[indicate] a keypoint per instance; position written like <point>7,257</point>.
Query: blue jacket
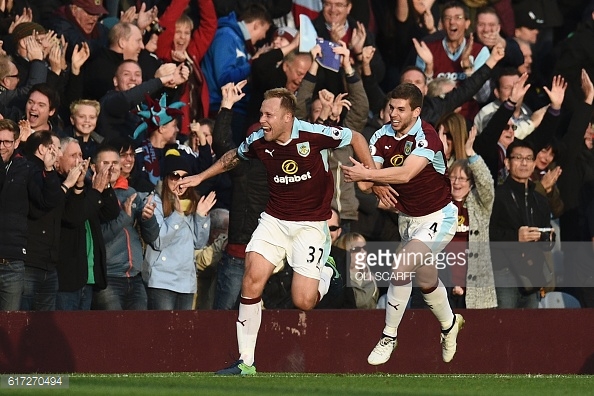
<point>123,247</point>
<point>169,260</point>
<point>226,61</point>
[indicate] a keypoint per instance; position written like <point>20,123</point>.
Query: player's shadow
<point>33,344</point>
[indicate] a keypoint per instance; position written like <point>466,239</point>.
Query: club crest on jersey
<point>422,143</point>
<point>336,133</point>
<point>372,149</point>
<point>303,149</point>
<point>407,148</point>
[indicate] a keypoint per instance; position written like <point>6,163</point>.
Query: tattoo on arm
<point>229,160</point>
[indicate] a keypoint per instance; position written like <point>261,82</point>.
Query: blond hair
<point>84,102</point>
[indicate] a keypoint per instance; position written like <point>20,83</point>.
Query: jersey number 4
<point>433,227</point>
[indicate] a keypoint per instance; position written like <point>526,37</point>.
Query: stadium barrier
<point>539,341</point>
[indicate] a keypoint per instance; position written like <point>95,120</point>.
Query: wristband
<point>64,186</point>
<point>512,102</point>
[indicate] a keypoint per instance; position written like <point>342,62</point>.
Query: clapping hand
<point>206,203</point>
<point>358,38</point>
<point>74,174</point>
<point>26,16</point>
<point>34,49</point>
<point>467,52</point>
<point>49,157</point>
<point>128,204</point>
<point>549,179</point>
<point>26,130</point>
<point>101,179</point>
<point>80,54</point>
<point>337,32</point>
<point>367,54</point>
<point>148,210</point>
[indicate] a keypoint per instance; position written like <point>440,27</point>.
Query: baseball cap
<point>530,16</point>
<point>93,7</point>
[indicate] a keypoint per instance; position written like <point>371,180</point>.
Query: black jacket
<point>17,189</point>
<point>99,72</point>
<point>95,207</point>
<point>517,205</point>
<point>116,119</point>
<point>265,75</point>
<point>250,186</point>
<point>43,234</point>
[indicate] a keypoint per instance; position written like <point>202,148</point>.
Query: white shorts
<point>304,244</point>
<point>435,230</point>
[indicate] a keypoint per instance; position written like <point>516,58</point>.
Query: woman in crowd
<point>363,286</point>
<point>453,126</point>
<point>471,276</point>
<point>169,269</point>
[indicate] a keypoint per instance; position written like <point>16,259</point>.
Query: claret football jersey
<point>427,192</point>
<point>300,184</point>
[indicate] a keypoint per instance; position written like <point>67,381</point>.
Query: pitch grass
<point>320,384</point>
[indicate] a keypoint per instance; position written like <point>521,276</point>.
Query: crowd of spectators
<point>104,105</point>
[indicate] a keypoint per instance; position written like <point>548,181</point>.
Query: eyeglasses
<point>450,18</point>
<point>337,5</point>
<point>176,176</point>
<point>513,127</point>
<point>334,228</point>
<point>357,249</point>
<point>6,143</point>
<point>519,158</point>
<point>453,179</point>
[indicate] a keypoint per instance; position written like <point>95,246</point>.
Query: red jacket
<point>199,43</point>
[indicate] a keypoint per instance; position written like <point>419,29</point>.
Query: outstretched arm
<point>411,167</point>
<point>228,161</point>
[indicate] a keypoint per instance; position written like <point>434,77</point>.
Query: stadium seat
<point>559,300</point>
